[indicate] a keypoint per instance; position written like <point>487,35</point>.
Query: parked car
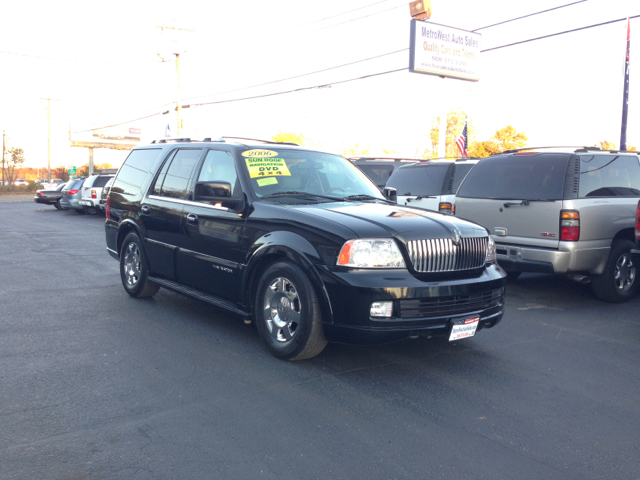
<point>20,182</point>
<point>91,192</point>
<point>430,184</point>
<point>53,184</point>
<point>299,241</point>
<point>104,194</point>
<point>50,197</point>
<point>71,195</point>
<point>570,213</point>
<point>379,169</point>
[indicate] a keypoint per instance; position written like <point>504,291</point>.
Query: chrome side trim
<point>187,202</point>
<point>161,244</point>
<point>209,258</point>
<point>112,251</point>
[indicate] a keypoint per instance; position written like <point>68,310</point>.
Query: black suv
<point>299,241</point>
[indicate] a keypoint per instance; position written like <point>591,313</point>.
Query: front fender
<point>285,245</point>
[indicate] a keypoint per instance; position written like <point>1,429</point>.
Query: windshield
<point>273,171</point>
<point>421,180</point>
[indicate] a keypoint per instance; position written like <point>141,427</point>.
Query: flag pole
<point>625,92</point>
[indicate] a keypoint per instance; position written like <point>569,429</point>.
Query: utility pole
<point>176,52</point>
<point>48,137</point>
<point>625,91</point>
<point>3,136</point>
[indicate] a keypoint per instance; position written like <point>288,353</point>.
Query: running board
<point>199,295</point>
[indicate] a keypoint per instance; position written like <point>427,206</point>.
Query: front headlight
<point>371,253</point>
<point>491,252</point>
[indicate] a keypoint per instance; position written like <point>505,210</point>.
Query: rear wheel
<point>287,313</point>
<point>133,268</point>
<point>57,205</point>
<point>618,283</point>
<point>90,210</point>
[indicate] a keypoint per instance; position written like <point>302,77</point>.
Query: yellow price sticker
<point>262,182</point>
<point>267,167</point>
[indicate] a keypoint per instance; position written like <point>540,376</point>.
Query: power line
<point>352,20</point>
<point>370,75</point>
<point>76,60</point>
<point>529,15</point>
<point>339,14</point>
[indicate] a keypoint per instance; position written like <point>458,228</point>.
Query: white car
<point>20,182</point>
<point>431,184</point>
<point>91,192</point>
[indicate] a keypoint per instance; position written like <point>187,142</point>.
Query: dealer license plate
<point>84,202</point>
<point>464,329</point>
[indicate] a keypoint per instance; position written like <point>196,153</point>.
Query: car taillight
<point>445,207</point>
<point>72,192</point>
<point>638,222</point>
<point>569,225</point>
<point>107,209</point>
<point>40,194</point>
<point>93,194</point>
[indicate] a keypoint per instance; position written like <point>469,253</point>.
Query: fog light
<point>381,309</point>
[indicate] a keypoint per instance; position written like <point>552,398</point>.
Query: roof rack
<point>187,139</point>
<point>271,142</point>
<point>514,150</point>
<point>388,159</point>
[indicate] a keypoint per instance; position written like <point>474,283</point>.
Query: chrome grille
<point>442,255</point>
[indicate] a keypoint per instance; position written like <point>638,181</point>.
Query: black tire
<point>134,271</point>
<point>57,205</point>
<point>79,211</point>
<point>291,327</point>
<point>90,210</point>
<point>513,276</point>
<point>618,283</point>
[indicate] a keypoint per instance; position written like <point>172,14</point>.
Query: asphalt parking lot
<point>97,385</point>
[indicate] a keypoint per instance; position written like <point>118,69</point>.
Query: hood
<point>375,220</point>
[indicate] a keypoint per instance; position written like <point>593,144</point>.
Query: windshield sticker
<point>262,182</point>
<point>267,167</point>
<point>259,153</point>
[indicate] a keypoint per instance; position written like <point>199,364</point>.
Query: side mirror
<point>391,193</point>
<point>216,192</point>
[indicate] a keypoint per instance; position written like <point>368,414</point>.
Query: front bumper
<point>419,307</point>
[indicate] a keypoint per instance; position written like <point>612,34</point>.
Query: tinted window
<point>609,176</point>
<point>177,177</point>
<point>60,187</point>
<point>423,180</point>
<point>136,166</point>
<point>157,188</point>
<point>101,181</point>
<point>461,172</point>
<point>531,177</point>
<point>378,173</point>
<point>75,184</point>
<point>219,166</point>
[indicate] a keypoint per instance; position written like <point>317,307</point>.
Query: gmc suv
<point>570,213</point>
<point>298,241</point>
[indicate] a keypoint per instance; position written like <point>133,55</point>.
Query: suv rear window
<point>609,176</point>
<point>75,184</point>
<point>460,172</point>
<point>512,177</point>
<point>101,181</point>
<point>378,173</point>
<point>420,180</point>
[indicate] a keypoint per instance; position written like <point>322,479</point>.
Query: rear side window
<point>609,176</point>
<point>513,177</point>
<point>101,181</point>
<point>461,172</point>
<point>75,184</point>
<point>378,173</point>
<point>136,167</point>
<point>174,183</point>
<point>424,180</point>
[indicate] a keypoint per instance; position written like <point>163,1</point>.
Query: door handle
<point>192,218</point>
<point>145,209</point>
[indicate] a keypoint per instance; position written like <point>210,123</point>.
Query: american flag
<point>462,141</point>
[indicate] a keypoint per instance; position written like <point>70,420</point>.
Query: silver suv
<point>570,213</point>
<point>92,191</point>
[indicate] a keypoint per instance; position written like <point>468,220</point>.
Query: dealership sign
<point>444,51</point>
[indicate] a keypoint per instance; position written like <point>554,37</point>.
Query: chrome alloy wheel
<point>282,309</point>
<point>625,273</point>
<point>131,264</point>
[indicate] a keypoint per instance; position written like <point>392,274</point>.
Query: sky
<point>104,63</point>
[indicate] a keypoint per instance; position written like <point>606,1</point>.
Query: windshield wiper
<point>364,196</point>
<point>524,203</point>
<point>277,194</point>
<point>420,197</point>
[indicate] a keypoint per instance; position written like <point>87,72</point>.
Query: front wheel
<point>287,313</point>
<point>618,282</point>
<point>133,269</point>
